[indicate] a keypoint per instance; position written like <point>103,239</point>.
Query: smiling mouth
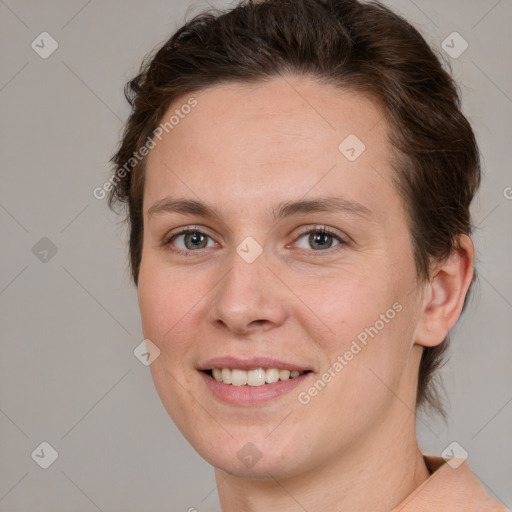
<point>255,377</point>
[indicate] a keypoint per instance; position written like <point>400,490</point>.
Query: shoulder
<point>451,487</point>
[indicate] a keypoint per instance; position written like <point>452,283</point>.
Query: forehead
<point>271,141</point>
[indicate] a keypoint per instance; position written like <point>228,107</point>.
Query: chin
<point>253,456</point>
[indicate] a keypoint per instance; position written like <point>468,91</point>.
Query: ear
<point>445,293</point>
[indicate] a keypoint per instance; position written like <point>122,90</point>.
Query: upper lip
<point>250,364</point>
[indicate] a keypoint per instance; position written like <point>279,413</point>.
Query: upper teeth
<point>256,377</point>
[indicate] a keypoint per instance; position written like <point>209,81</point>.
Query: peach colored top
<point>451,487</point>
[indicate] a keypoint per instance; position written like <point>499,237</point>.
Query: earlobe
<point>445,294</point>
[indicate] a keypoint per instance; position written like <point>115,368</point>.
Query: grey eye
<point>318,240</point>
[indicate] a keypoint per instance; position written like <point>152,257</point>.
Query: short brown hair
<point>364,47</point>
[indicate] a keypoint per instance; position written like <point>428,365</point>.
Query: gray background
<point>69,325</point>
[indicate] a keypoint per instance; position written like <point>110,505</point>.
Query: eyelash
<point>316,229</point>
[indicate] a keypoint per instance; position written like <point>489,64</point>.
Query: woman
<point>298,177</point>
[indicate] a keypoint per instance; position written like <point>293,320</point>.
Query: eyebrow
<point>278,212</point>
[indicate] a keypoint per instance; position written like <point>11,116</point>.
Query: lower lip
<point>251,395</point>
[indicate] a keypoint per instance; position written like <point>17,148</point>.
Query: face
<point>299,259</point>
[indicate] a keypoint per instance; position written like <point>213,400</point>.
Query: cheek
<point>164,301</point>
<point>364,331</point>
<point>347,300</point>
<point>166,305</point>
<point>363,379</point>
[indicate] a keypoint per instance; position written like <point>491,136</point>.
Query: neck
<point>376,476</point>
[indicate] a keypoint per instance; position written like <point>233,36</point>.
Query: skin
<point>243,149</point>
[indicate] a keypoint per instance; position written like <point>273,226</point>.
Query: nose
<point>249,298</point>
